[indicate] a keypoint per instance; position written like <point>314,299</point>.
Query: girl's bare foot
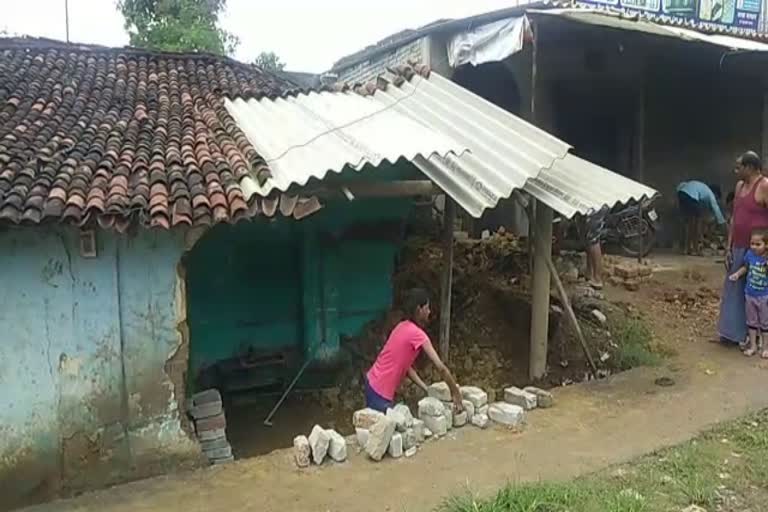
<point>751,351</point>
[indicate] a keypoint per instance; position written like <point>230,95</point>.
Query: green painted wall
<point>284,284</point>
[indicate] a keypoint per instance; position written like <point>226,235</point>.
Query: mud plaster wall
<point>85,345</point>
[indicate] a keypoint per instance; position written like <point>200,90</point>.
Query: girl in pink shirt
<point>395,360</point>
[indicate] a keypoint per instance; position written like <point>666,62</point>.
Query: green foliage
<point>177,25</point>
<point>633,338</point>
<point>269,61</point>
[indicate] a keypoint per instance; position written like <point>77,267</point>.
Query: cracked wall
<point>84,342</point>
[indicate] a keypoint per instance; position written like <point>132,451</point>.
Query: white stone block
<point>477,396</point>
<point>319,440</point>
<point>419,431</point>
<point>544,399</point>
<point>440,390</point>
<point>430,406</point>
<point>406,413</point>
<point>507,414</point>
<point>337,448</point>
<point>362,435</point>
<point>379,437</point>
<point>396,446</point>
<point>480,420</point>
<point>437,425</point>
<point>301,451</point>
<point>517,396</point>
<point>460,419</point>
<point>366,418</point>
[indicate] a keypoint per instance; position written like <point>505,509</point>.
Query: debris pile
<point>320,443</point>
<point>397,433</point>
<point>629,275</point>
<point>701,302</point>
<point>206,411</point>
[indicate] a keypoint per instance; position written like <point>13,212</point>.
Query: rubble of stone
<point>398,433</point>
<point>544,399</point>
<point>516,396</point>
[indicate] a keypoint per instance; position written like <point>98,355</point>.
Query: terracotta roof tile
<point>122,136</point>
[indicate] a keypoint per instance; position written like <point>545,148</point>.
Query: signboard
<point>740,14</point>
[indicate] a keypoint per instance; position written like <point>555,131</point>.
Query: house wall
<point>280,288</point>
<point>369,69</point>
<point>85,356</point>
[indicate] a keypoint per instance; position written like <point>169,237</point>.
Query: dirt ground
<point>593,425</point>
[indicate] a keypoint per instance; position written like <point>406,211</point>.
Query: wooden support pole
<point>541,282</point>
<point>571,315</point>
<point>449,215</point>
<point>638,135</point>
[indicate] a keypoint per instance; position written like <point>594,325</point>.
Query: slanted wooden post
<point>449,216</point>
<point>541,284</point>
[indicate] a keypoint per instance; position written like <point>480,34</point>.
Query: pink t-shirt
<point>395,359</point>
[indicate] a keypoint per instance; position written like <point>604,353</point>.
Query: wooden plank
<point>537,367</point>
<point>449,215</point>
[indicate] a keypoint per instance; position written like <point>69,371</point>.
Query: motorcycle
<point>632,228</point>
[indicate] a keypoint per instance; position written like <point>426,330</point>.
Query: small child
<point>755,267</point>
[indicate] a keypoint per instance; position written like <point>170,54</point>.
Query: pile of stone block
<point>396,433</point>
<point>319,445</point>
<point>206,411</point>
<point>629,275</point>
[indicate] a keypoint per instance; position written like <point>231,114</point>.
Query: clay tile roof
<point>118,136</point>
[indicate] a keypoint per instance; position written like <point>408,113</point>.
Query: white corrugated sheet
<point>636,23</point>
<point>306,136</point>
<point>431,122</point>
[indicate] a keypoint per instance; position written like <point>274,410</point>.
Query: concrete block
<point>214,444</point>
<point>482,410</point>
<point>319,440</point>
<point>427,433</point>
<point>440,390</point>
<point>379,437</point>
<point>438,425</point>
<point>337,448</point>
<point>411,452</point>
<point>395,449</point>
<point>544,399</point>
<point>301,451</point>
<point>406,412</point>
<point>227,460</point>
<point>419,431</point>
<point>477,396</point>
<point>213,423</point>
<point>210,435</point>
<point>430,406</point>
<point>517,396</point>
<point>219,453</point>
<point>448,413</point>
<point>399,418</point>
<point>460,419</point>
<point>366,418</point>
<point>362,435</point>
<point>507,414</point>
<point>409,439</point>
<point>206,410</point>
<point>207,396</point>
<point>480,420</point>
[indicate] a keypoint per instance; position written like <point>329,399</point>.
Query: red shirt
<point>395,359</point>
<point>748,214</point>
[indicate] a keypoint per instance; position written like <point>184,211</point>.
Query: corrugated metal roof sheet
<point>638,23</point>
<point>431,122</point>
<point>312,134</point>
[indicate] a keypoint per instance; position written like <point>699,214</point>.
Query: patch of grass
<point>724,469</point>
<point>633,340</point>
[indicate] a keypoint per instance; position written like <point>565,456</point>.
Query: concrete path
<point>592,426</point>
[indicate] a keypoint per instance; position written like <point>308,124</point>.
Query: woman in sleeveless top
<point>750,211</point>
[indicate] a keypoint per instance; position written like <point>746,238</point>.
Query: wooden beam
<point>537,367</point>
<point>449,215</point>
<point>404,188</point>
<point>571,315</point>
<point>638,134</point>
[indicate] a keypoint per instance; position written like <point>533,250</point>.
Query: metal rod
<point>66,18</point>
<point>268,420</point>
